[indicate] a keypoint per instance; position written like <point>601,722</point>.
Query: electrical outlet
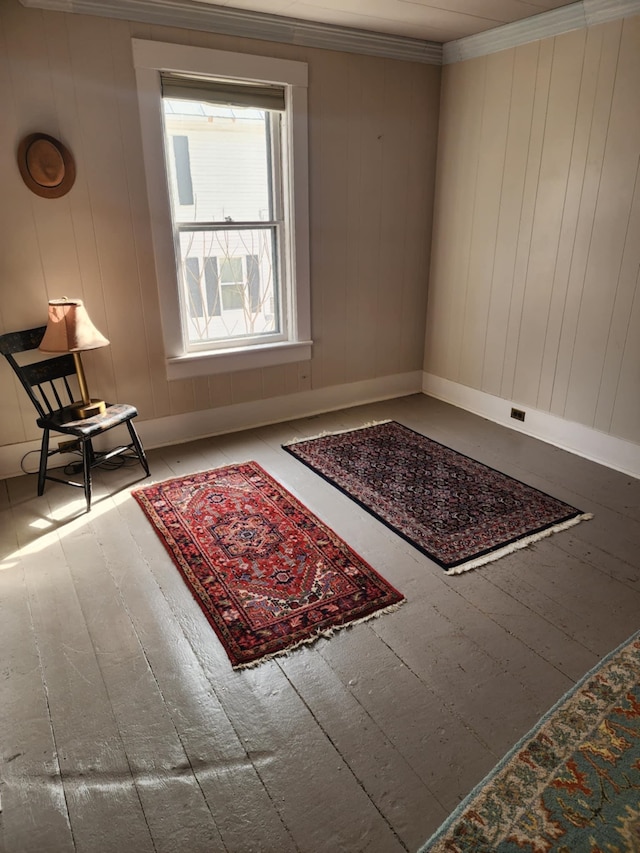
<point>67,445</point>
<point>517,414</point>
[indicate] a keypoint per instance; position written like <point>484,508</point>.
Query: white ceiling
<point>430,20</point>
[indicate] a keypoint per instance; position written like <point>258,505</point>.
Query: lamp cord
<point>75,467</point>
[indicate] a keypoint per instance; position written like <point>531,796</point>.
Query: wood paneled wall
<point>373,129</point>
<point>534,287</point>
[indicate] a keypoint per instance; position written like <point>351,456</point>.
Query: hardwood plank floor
<point>123,726</point>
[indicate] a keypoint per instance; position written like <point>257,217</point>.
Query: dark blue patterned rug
<point>459,512</point>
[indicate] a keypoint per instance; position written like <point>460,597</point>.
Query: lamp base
<point>81,410</point>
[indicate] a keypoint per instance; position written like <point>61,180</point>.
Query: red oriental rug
<point>266,572</point>
<point>457,511</point>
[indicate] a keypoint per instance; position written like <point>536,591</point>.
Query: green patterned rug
<point>572,784</point>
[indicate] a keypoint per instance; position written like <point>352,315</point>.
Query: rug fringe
<point>326,633</point>
<point>335,432</point>
<point>519,545</point>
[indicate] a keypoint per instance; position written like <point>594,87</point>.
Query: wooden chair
<point>46,381</point>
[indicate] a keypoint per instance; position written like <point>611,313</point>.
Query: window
<point>225,144</point>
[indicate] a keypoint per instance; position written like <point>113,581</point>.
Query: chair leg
<point>138,447</point>
<point>87,459</point>
<point>44,456</point>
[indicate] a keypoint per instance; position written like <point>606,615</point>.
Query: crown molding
<point>600,11</point>
<point>258,25</point>
<point>541,26</point>
<point>586,13</point>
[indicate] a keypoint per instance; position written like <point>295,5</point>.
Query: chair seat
<point>63,420</point>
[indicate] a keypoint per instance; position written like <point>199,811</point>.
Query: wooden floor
<point>123,727</point>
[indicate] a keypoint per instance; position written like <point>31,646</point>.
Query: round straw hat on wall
<point>46,165</point>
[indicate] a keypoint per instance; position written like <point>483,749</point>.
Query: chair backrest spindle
<point>45,381</point>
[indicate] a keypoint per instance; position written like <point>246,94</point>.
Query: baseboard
<point>176,429</point>
<point>597,446</point>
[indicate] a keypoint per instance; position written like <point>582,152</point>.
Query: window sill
<point>228,360</point>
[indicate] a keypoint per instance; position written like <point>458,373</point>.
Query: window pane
<point>253,280</point>
<point>239,266</point>
<point>194,292</point>
<point>233,296</point>
<point>229,162</point>
<point>231,270</point>
<point>212,285</point>
<point>183,169</point>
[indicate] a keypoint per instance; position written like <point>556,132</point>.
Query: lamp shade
<point>69,328</point>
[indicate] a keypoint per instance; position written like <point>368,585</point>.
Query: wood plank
<point>455,179</point>
<point>387,777</point>
<point>171,798</point>
<point>328,137</point>
<point>492,142</point>
<point>607,62</point>
<point>610,233</point>
<point>426,729</point>
<point>228,779</point>
<point>513,179</point>
<point>364,740</point>
<point>559,127</point>
<point>534,143</point>
<point>34,809</point>
<point>102,797</point>
<point>571,212</point>
<point>395,286</point>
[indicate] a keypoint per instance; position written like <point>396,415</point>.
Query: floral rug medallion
<point>267,573</point>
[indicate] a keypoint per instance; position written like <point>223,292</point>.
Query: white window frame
<point>150,58</point>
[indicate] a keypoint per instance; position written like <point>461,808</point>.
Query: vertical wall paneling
<point>359,349</point>
<point>182,396</point>
<point>496,97</point>
<point>220,385</point>
<point>97,96</point>
<point>626,410</point>
<point>366,82</point>
<point>444,263</point>
<point>619,327</point>
<point>419,219</point>
<point>274,381</point>
<point>138,284</point>
<point>246,385</point>
<point>460,117</point>
<point>557,310</point>
<point>559,124</point>
<point>610,235</point>
<point>392,283</point>
<point>329,103</point>
<point>606,63</point>
<point>534,145</point>
<point>512,189</point>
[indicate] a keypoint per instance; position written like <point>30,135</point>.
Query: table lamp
<point>69,329</point>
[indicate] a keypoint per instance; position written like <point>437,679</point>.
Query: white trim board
<point>585,441</point>
<point>177,429</point>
